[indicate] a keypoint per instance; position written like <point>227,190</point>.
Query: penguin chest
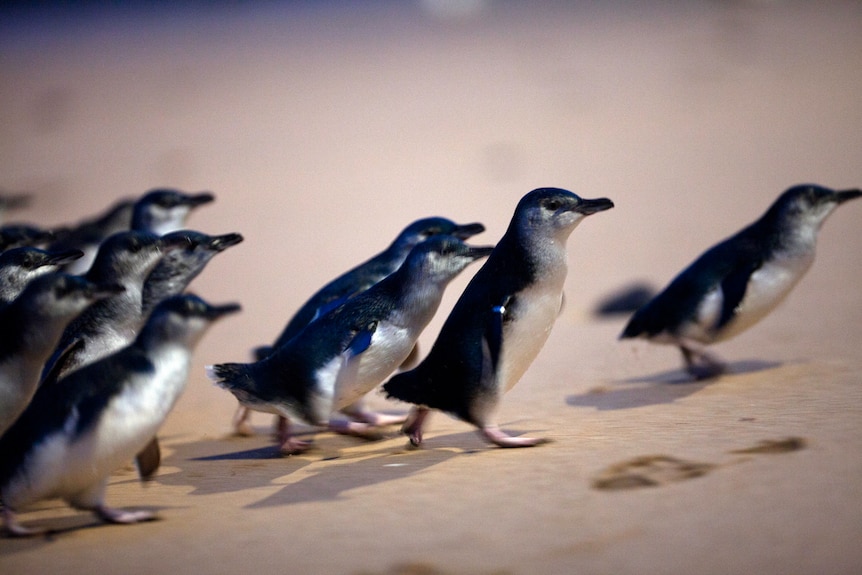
<point>767,288</point>
<point>358,375</point>
<point>533,314</point>
<point>19,379</point>
<point>68,463</point>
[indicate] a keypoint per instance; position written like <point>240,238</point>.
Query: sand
<point>324,129</point>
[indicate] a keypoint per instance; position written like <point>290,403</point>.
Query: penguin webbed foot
<point>287,444</point>
<point>355,429</point>
<point>701,365</point>
<point>241,424</point>
<point>414,424</point>
<point>122,516</point>
<point>373,418</point>
<point>501,439</point>
<point>15,529</point>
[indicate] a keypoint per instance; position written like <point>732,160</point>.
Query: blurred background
<point>323,128</point>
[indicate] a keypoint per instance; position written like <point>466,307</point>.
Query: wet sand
<point>324,130</point>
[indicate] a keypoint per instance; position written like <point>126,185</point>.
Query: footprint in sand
<point>655,470</point>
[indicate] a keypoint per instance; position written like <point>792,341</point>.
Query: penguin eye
<point>553,205</point>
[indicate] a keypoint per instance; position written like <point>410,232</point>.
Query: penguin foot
<point>412,427</point>
<point>374,418</point>
<point>496,436</point>
<point>15,529</point>
<point>241,425</point>
<point>287,444</point>
<point>293,446</point>
<point>122,517</point>
<point>701,365</point>
<point>354,429</point>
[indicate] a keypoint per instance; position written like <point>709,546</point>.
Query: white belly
<point>767,287</point>
<point>64,467</point>
<point>539,307</point>
<point>390,346</point>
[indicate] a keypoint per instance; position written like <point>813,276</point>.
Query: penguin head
<point>554,212</point>
<point>128,256</point>
<point>184,319</point>
<point>807,206</point>
<point>164,210</point>
<point>192,241</point>
<point>30,259</point>
<point>441,258</point>
<point>421,230</point>
<point>19,266</point>
<point>17,235</point>
<point>59,295</point>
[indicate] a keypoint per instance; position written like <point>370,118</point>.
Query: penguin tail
<point>405,386</point>
<point>233,377</point>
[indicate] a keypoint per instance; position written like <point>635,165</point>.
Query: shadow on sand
<point>660,388</point>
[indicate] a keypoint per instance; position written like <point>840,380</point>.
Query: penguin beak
<point>588,207</point>
<point>467,231</point>
<point>200,199</point>
<point>63,258</point>
<point>844,195</point>
<point>479,252</point>
<point>221,243</point>
<point>214,312</point>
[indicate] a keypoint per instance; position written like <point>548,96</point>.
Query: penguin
<point>164,210</point>
<point>87,235</point>
<point>76,431</point>
<point>348,351</point>
<point>17,235</point>
<point>12,201</point>
<point>357,280</point>
<point>737,282</point>
<point>177,268</point>
<point>32,325</point>
<point>500,322</point>
<point>171,276</point>
<point>19,266</point>
<point>125,258</point>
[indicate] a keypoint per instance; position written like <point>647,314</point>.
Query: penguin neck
<point>415,297</point>
<point>170,277</point>
<point>539,254</point>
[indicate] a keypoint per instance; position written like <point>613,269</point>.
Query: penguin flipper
<point>52,375</point>
<point>349,370</point>
<point>494,332</point>
<point>733,289</point>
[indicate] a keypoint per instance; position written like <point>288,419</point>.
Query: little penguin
<point>500,322</point>
<point>357,280</point>
<point>77,431</point>
<point>31,327</point>
<point>88,234</point>
<point>348,351</point>
<point>177,268</point>
<point>125,258</point>
<point>17,235</point>
<point>12,201</point>
<point>737,282</point>
<point>19,266</point>
<point>164,210</point>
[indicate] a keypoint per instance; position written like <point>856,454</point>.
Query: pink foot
<point>496,436</point>
<point>241,425</point>
<point>121,516</point>
<point>373,418</point>
<point>414,423</point>
<point>15,529</point>
<point>287,444</point>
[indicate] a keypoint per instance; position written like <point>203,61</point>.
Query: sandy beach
<point>324,128</point>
